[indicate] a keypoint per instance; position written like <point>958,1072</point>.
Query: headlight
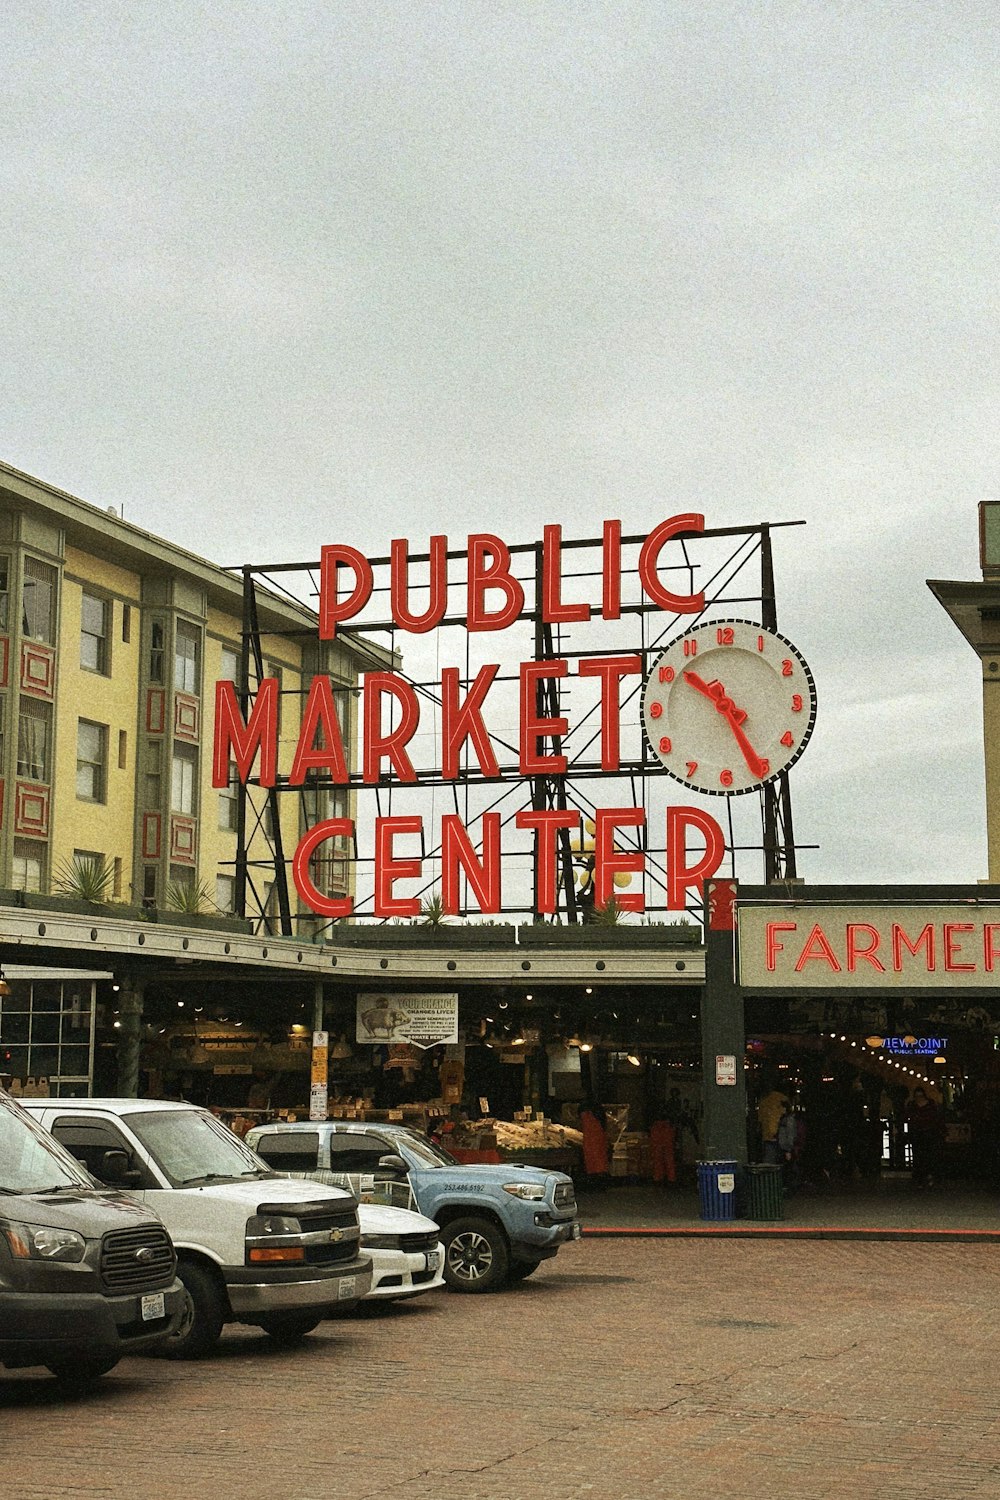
<point>31,1242</point>
<point>272,1224</point>
<point>531,1190</point>
<point>380,1242</point>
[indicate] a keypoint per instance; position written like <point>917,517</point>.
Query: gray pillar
<point>723,1035</point>
<point>130,998</point>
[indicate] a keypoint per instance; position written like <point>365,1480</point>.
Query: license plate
<point>152,1307</point>
<point>345,1288</point>
<point>433,1259</point>
<point>575,1232</point>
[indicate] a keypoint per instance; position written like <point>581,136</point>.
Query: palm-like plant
<point>187,896</point>
<point>87,877</point>
<point>432,912</point>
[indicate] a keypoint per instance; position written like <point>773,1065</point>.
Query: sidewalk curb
<point>773,1232</point>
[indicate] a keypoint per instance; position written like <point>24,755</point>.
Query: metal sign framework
<point>258,812</point>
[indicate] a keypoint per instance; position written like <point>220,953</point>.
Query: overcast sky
<point>285,274</point>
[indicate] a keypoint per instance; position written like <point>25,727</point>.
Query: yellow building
<point>111,641</point>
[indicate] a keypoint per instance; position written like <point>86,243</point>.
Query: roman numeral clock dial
<point>728,706</point>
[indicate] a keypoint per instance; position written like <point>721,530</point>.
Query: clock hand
<point>734,717</point>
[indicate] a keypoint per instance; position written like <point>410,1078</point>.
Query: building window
<point>34,739</point>
<point>4,593</point>
<point>149,883</point>
<point>225,893</point>
<point>91,761</point>
<point>156,650</point>
<point>28,865</point>
<point>126,623</point>
<point>229,664</point>
<point>94,634</point>
<point>3,720</point>
<point>229,800</point>
<point>186,645</point>
<point>182,781</point>
<point>38,601</point>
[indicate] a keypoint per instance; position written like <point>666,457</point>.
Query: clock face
<point>728,706</point>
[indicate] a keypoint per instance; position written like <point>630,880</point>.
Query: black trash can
<point>766,1191</point>
<point>717,1189</point>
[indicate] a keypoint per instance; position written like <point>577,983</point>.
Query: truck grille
<point>412,1244</point>
<point>565,1194</point>
<point>134,1259</point>
<point>343,1225</point>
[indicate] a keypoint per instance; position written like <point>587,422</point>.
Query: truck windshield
<point>192,1148</point>
<point>31,1160</point>
<point>428,1153</point>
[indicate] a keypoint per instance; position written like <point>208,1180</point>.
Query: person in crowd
<point>662,1143</point>
<point>593,1125</point>
<point>925,1128</point>
<point>769,1112</point>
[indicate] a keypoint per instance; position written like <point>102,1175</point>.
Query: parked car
<point>85,1276</point>
<point>498,1223</point>
<point>405,1248</point>
<point>252,1247</point>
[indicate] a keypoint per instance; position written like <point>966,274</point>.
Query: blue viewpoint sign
<point>914,1046</point>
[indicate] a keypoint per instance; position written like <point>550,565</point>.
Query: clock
<point>728,706</point>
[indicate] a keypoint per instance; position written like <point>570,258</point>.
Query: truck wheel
<point>288,1327</point>
<point>519,1269</point>
<point>203,1315</point>
<point>475,1255</point>
<point>82,1372</point>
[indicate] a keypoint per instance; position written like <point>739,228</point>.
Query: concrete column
<point>130,998</point>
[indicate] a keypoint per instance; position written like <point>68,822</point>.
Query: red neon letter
<point>680,874</point>
<point>533,728</point>
<point>326,906</point>
<point>331,608</point>
<point>609,862</point>
<point>611,670</point>
<point>489,568</point>
<point>552,607</point>
<point>388,869</point>
<point>460,722</point>
<point>457,850</point>
<point>319,713</point>
<point>953,947</point>
<point>239,742</point>
<point>817,949</point>
<point>546,822</point>
<point>611,604</point>
<point>378,746</point>
<point>869,951</point>
<point>399,593</point>
<point>772,946</point>
<point>990,952</point>
<point>680,604</point>
<point>925,940</point>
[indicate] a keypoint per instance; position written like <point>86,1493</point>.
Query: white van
<point>252,1246</point>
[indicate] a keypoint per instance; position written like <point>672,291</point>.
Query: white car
<point>405,1251</point>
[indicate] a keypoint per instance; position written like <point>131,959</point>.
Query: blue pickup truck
<point>498,1223</point>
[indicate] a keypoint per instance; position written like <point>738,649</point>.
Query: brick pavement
<point>627,1369</point>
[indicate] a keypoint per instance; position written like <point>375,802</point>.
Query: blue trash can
<point>717,1189</point>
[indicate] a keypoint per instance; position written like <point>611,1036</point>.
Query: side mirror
<point>393,1163</point>
<point>117,1171</point>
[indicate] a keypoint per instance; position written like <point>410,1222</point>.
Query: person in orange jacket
<point>662,1144</point>
<point>595,1142</point>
